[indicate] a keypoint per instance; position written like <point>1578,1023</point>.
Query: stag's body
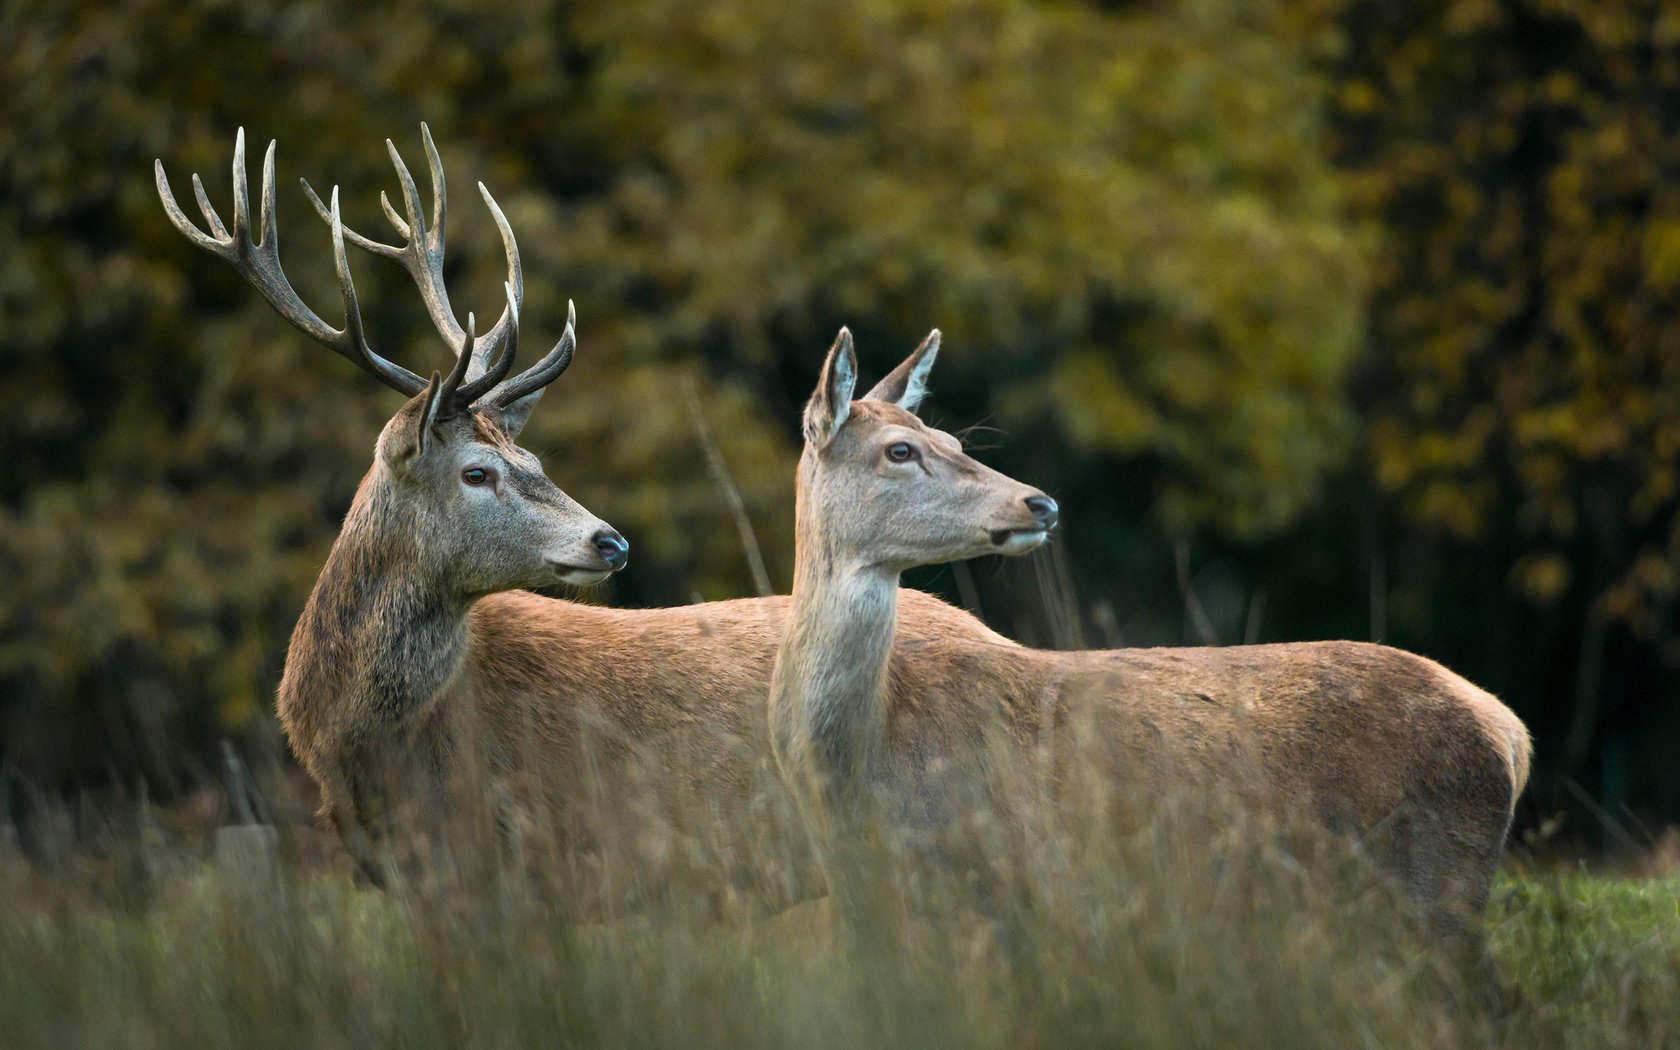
<point>393,679</point>
<point>1363,739</point>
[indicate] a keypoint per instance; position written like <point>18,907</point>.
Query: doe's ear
<point>906,385</point>
<point>406,442</point>
<point>832,402</point>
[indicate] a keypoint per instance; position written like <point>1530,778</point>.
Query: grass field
<point>1164,940</point>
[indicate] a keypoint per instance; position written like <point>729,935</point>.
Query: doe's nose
<point>613,548</point>
<point>1044,511</point>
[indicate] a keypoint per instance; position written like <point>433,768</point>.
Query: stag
<point>452,510</point>
<point>1364,739</point>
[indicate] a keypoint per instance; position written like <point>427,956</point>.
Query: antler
<point>259,264</point>
<point>421,254</point>
<point>481,366</point>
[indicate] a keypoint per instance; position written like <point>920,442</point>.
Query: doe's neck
<point>830,684</point>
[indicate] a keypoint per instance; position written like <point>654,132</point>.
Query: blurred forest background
<point>1322,318</point>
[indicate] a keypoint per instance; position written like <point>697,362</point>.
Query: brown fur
<point>548,677</point>
<point>1364,739</point>
<point>394,668</point>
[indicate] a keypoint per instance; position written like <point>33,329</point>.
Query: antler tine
<point>178,218</point>
<point>543,372</point>
<point>209,213</point>
<point>391,215</point>
<point>241,193</point>
<point>510,251</point>
<point>440,193</point>
<point>494,374</point>
<point>354,334</point>
<point>452,396</point>
<point>268,233</point>
<point>366,244</point>
<point>416,232</point>
<point>259,264</point>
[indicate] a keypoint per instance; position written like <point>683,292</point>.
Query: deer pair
<point>419,654</point>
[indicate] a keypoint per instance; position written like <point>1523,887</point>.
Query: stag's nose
<point>1043,510</point>
<point>613,548</point>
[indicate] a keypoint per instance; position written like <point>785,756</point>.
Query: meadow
<point>1180,933</point>
<point>1322,318</point>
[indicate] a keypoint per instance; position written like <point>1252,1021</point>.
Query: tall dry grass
<point>1163,938</point>
<point>1165,919</point>
<point>1005,909</point>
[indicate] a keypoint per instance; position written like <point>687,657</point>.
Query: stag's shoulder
<point>645,669</point>
<point>926,620</point>
<point>523,618</point>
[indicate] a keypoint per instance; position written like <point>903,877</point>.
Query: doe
<point>1363,739</point>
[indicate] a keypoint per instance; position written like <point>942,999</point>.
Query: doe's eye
<point>902,452</point>
<point>476,476</point>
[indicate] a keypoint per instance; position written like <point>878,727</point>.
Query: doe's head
<point>879,486</point>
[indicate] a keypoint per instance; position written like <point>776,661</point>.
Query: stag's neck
<point>383,634</point>
<point>828,692</point>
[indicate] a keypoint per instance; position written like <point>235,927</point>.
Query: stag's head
<point>877,486</point>
<point>490,518</point>
<point>477,504</point>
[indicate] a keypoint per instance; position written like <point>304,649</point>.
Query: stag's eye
<point>477,476</point>
<point>902,452</point>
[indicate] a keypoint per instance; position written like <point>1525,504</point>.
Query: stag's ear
<point>430,414</point>
<point>515,416</point>
<point>906,385</point>
<point>412,433</point>
<point>832,402</point>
